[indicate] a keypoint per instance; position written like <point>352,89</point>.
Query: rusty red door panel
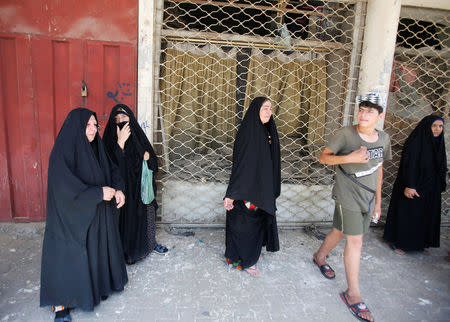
<point>109,77</point>
<point>57,71</point>
<point>40,82</point>
<point>20,153</point>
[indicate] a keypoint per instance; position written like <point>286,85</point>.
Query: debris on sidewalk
<point>178,232</point>
<point>313,231</point>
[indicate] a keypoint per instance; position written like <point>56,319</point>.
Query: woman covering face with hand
<point>253,188</point>
<point>82,257</point>
<point>128,146</point>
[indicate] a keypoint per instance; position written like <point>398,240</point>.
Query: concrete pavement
<point>193,283</point>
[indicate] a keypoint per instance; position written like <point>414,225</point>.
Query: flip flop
<point>325,269</point>
<point>160,249</point>
<point>356,308</point>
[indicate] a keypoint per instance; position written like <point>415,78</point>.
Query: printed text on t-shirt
<point>375,153</point>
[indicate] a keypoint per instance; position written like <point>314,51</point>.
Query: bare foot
<point>396,250</point>
<point>357,299</point>
<point>399,251</point>
<point>253,270</point>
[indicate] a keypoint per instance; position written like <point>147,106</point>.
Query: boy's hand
<point>359,156</point>
<point>376,213</point>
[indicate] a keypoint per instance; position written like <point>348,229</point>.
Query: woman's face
<point>265,112</point>
<point>91,128</point>
<point>437,127</point>
<point>122,118</point>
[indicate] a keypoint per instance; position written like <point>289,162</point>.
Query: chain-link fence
<point>420,81</point>
<point>216,56</point>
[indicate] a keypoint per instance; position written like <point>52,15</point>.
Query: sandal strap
<point>326,268</point>
<point>360,307</point>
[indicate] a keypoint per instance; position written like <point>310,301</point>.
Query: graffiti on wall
<point>122,91</point>
<point>145,125</point>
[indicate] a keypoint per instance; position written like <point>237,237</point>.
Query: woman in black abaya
<point>254,185</point>
<point>128,146</point>
<point>414,215</point>
<point>82,259</point>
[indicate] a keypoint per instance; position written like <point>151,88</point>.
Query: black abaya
<point>82,257</point>
<point>255,177</point>
<point>414,224</point>
<point>138,239</point>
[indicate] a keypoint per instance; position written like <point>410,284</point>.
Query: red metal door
<point>47,49</point>
<point>40,82</point>
<point>19,143</point>
<point>110,77</point>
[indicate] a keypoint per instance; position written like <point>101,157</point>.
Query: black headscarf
<point>256,173</point>
<point>139,140</point>
<point>423,150</point>
<point>82,257</point>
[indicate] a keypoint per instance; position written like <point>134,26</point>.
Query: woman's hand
<point>411,193</point>
<point>228,203</point>
<point>120,198</point>
<point>146,156</point>
<point>123,135</point>
<point>108,193</point>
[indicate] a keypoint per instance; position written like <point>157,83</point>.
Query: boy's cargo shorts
<point>350,222</point>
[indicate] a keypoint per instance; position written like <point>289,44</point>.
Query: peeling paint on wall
<point>93,28</point>
<point>84,19</point>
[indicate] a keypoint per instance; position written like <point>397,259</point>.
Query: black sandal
<point>325,269</point>
<point>357,308</point>
<point>160,249</point>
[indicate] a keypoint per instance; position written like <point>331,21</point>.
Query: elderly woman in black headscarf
<point>254,185</point>
<point>128,146</point>
<point>414,215</point>
<point>82,257</point>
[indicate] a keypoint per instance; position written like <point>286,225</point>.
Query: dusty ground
<point>192,283</point>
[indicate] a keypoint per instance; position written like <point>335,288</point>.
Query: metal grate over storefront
<point>420,82</point>
<point>215,57</point>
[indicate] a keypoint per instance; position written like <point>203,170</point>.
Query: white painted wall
<point>435,4</point>
<point>181,202</point>
<point>146,63</point>
<point>378,50</point>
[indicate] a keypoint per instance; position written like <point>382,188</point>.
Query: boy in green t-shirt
<point>358,151</point>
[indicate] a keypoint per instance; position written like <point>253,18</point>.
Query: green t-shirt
<point>346,192</point>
